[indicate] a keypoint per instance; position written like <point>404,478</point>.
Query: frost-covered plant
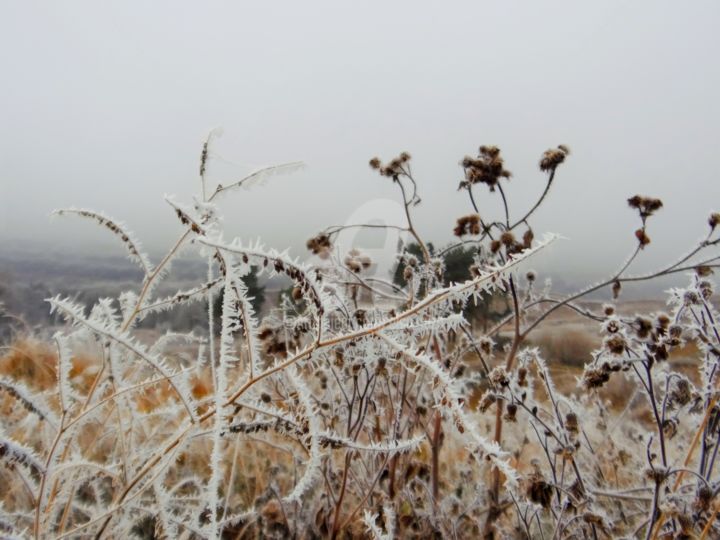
<point>359,407</point>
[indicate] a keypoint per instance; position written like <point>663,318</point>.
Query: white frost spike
<point>453,396</point>
<point>258,255</point>
<point>250,326</point>
<point>179,298</point>
<point>118,229</point>
<point>187,216</point>
<point>229,325</point>
<point>128,301</point>
<point>33,403</point>
<point>259,176</point>
<point>15,452</point>
<point>390,447</point>
<point>370,522</point>
<point>74,313</point>
<point>168,338</point>
<point>313,465</point>
<point>63,371</point>
<point>169,528</point>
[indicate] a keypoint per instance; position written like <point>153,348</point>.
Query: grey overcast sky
<point>105,104</point>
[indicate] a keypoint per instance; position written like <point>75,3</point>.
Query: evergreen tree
<point>457,261</point>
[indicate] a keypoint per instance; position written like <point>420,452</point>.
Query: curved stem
<point>505,205</point>
<point>538,203</point>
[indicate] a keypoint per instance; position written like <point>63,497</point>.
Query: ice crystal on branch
<point>417,404</point>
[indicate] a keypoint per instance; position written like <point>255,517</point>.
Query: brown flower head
<point>539,491</point>
<point>392,169</point>
<point>553,157</point>
<point>642,237</point>
<point>357,261</point>
<point>595,377</point>
<point>528,238</point>
<point>714,220</point>
<point>507,238</point>
<point>467,225</point>
<point>487,168</point>
<point>320,245</point>
<point>615,344</point>
<point>646,206</point>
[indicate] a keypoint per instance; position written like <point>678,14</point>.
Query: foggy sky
<point>105,105</point>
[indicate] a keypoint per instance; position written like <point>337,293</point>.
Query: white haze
<point>105,105</point>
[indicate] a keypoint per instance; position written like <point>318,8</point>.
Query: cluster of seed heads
<point>392,169</point>
<point>487,168</point>
<point>511,244</point>
<point>646,206</point>
<point>357,261</point>
<point>469,224</point>
<point>320,245</point>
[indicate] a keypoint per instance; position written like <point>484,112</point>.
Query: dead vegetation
<point>360,407</point>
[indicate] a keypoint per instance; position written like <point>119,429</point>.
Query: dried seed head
<point>608,310</point>
<point>646,206</point>
<point>675,331</point>
<point>642,237</point>
<point>507,238</point>
<point>634,201</point>
<point>486,345</point>
<point>691,298</point>
<point>571,423</point>
<point>487,168</point>
<point>670,427</point>
<point>361,317</point>
<point>469,224</point>
<point>357,261</point>
<point>499,377</point>
<point>714,220</point>
<point>703,499</point>
<point>522,376</point>
<point>643,327</point>
<point>706,289</point>
<point>539,491</point>
<point>394,168</point>
<point>320,245</point>
<point>703,271</point>
<point>566,452</point>
<point>657,474</point>
<point>528,238</point>
<point>487,400</point>
<point>511,412</point>
<point>615,344</point>
<point>595,377</point>
<point>553,157</point>
<point>681,392</point>
<point>663,321</point>
<point>611,326</point>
